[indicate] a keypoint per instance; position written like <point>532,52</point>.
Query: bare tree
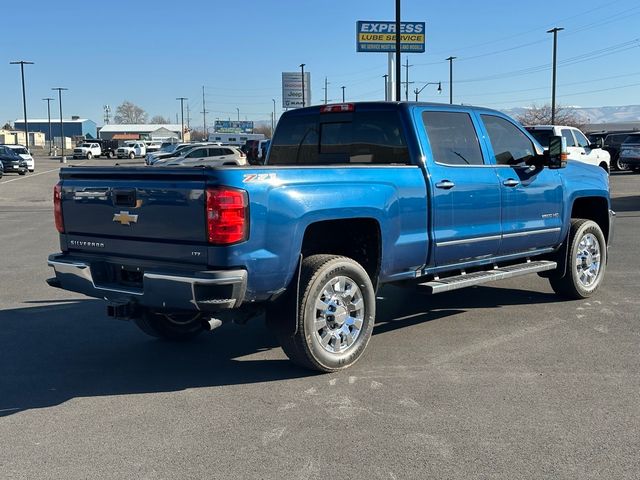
<point>197,134</point>
<point>7,126</point>
<point>535,115</point>
<point>130,113</point>
<point>265,130</point>
<point>159,120</point>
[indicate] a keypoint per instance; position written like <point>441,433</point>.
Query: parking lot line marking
<point>35,174</point>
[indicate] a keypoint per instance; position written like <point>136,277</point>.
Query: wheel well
<point>356,238</point>
<point>593,208</point>
<point>604,166</point>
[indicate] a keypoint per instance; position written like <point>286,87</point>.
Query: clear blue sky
<point>150,52</point>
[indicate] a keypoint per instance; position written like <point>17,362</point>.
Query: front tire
<point>620,165</point>
<point>89,156</point>
<point>132,155</point>
<point>334,318</point>
<point>586,261</point>
<point>177,327</point>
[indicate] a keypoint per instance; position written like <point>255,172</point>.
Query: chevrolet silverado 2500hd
<point>352,196</point>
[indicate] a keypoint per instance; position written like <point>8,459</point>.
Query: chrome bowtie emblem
<point>124,218</point>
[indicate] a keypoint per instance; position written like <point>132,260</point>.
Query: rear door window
<point>453,138</point>
<point>510,145</point>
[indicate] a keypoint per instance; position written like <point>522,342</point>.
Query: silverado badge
<point>124,218</point>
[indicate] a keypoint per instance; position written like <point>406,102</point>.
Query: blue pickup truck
<point>352,196</point>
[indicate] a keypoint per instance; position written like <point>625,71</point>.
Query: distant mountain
<point>626,113</point>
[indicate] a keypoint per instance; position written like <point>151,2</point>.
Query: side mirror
<point>556,155</point>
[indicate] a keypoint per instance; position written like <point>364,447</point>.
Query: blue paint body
<point>424,229</point>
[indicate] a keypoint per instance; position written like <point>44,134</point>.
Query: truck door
<point>465,193</point>
<point>531,196</point>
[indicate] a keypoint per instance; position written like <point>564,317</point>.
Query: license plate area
<point>112,275</point>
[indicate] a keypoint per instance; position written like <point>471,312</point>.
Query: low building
<point>73,127</point>
<point>17,137</point>
<point>135,131</point>
<point>612,127</point>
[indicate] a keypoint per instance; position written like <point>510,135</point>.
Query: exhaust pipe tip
<point>212,324</point>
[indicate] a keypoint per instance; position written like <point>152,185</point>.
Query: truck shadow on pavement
<point>51,353</point>
<point>629,203</point>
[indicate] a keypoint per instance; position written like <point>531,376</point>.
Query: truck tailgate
<point>167,206</point>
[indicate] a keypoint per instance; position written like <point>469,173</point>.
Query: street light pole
<point>343,87</point>
<point>386,93</point>
<point>451,59</point>
<point>553,81</point>
<point>406,88</point>
<point>418,91</point>
<point>302,68</point>
<point>63,159</point>
<point>22,63</point>
<point>48,100</point>
<point>238,110</point>
<point>182,99</point>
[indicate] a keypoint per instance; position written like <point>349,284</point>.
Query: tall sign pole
<point>302,68</point>
<point>63,159</point>
<point>182,99</point>
<point>398,40</point>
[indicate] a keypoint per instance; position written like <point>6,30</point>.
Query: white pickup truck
<point>132,149</point>
<point>87,150</point>
<point>578,147</point>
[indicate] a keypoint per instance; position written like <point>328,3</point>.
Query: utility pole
<point>406,86</point>
<point>273,118</point>
<point>386,93</point>
<point>343,87</point>
<point>451,59</point>
<point>553,81</point>
<point>302,68</point>
<point>48,100</point>
<point>325,90</point>
<point>182,99</point>
<point>188,117</point>
<point>398,64</point>
<point>204,117</point>
<point>22,63</point>
<point>238,110</point>
<point>63,159</point>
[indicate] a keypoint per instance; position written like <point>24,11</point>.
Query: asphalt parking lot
<point>506,381</point>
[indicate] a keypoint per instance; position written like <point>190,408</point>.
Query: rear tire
<point>177,327</point>
<point>620,165</point>
<point>334,318</point>
<point>586,261</point>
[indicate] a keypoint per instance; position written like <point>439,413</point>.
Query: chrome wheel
<point>588,260</point>
<point>339,314</point>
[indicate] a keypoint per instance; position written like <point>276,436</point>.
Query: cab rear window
<point>340,138</point>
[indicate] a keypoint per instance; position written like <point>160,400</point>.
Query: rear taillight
<point>57,207</point>
<point>227,215</point>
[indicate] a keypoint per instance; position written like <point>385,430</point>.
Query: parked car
<point>132,149</point>
<point>180,150</point>
<point>630,152</point>
<point>1,169</point>
<point>214,156</point>
<point>578,147</point>
<point>87,150</point>
<point>612,143</point>
<point>25,154</point>
<point>152,145</point>
<point>263,149</point>
<point>12,162</point>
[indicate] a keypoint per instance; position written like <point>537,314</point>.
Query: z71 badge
<point>259,177</point>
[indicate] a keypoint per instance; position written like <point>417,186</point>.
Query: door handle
<point>511,182</point>
<point>445,184</point>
